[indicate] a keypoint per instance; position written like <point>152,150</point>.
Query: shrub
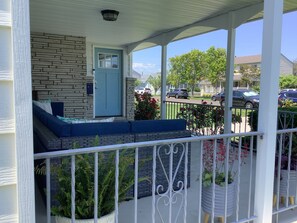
<point>285,120</point>
<point>147,107</point>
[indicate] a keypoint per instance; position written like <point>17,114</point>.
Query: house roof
<point>253,59</point>
<point>135,74</point>
<point>141,24</point>
<point>248,59</point>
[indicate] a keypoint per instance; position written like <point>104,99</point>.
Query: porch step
<point>5,19</point>
<point>6,126</point>
<point>7,176</point>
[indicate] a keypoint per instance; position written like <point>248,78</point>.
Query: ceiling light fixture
<point>110,15</point>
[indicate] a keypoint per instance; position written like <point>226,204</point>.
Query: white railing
<point>285,183</point>
<point>181,195</point>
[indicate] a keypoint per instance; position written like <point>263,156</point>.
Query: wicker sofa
<point>51,134</point>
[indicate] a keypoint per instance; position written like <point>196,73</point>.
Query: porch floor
<point>126,209</point>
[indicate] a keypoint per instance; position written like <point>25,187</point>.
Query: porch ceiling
<point>138,20</point>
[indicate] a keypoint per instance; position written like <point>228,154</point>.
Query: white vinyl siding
<point>16,138</point>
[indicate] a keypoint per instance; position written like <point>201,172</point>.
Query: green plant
<point>216,154</point>
<point>201,118</point>
<point>287,116</point>
<point>84,182</point>
<point>147,107</point>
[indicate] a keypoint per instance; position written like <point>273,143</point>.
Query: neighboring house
<point>136,75</point>
<point>286,68</point>
<point>59,49</point>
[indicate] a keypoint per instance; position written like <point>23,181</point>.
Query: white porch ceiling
<point>138,19</point>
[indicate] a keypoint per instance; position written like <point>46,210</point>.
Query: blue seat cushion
<point>143,126</point>
<point>58,108</point>
<point>101,128</point>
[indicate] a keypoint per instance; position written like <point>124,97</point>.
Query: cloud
<point>144,65</point>
<point>146,68</point>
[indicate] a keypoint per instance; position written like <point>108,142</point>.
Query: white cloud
<point>146,68</point>
<point>144,65</point>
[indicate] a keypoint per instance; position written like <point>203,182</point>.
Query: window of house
<point>107,60</point>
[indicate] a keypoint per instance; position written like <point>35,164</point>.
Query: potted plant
<point>84,185</point>
<point>288,168</point>
<point>216,185</point>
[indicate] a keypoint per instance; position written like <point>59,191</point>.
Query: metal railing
<point>188,167</point>
<point>206,119</point>
<point>285,182</point>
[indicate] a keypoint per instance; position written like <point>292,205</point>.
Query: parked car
<point>217,96</point>
<point>243,98</point>
<point>178,93</point>
<point>288,95</point>
<point>141,90</point>
<point>147,90</point>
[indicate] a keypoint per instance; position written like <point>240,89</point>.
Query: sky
<point>248,42</point>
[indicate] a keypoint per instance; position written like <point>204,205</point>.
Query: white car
<point>141,90</point>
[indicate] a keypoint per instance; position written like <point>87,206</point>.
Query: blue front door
<point>108,82</point>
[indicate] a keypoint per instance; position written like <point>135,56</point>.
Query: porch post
<point>229,75</point>
<point>271,46</point>
<point>163,81</point>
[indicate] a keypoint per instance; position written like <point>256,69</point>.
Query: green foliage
<point>288,81</point>
<point>250,74</point>
<point>137,82</point>
<point>216,60</point>
<point>155,81</point>
<point>256,88</point>
<point>84,182</point>
<point>201,118</point>
<point>146,107</point>
<point>220,178</point>
<point>215,156</point>
<point>285,120</point>
<point>188,68</point>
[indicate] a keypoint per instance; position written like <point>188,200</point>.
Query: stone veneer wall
<point>59,72</point>
<point>130,104</point>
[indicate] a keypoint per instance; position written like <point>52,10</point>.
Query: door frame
<point>124,61</point>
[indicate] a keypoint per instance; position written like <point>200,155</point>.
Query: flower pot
<point>219,210</point>
<point>104,219</point>
<point>284,183</point>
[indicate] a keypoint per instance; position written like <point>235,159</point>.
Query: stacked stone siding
<point>130,104</point>
<point>59,72</point>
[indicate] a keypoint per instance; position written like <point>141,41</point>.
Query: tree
<point>188,68</point>
<point>137,82</point>
<point>216,60</point>
<point>288,81</point>
<point>173,79</point>
<point>196,68</point>
<point>250,74</point>
<point>155,81</point>
<point>177,70</point>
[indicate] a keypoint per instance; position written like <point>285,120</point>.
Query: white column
<point>22,103</point>
<point>130,64</point>
<point>163,81</point>
<point>271,46</point>
<point>229,75</point>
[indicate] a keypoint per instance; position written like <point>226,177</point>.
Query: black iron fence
<point>206,119</point>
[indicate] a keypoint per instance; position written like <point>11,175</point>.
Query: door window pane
<point>114,61</point>
<point>108,61</point>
